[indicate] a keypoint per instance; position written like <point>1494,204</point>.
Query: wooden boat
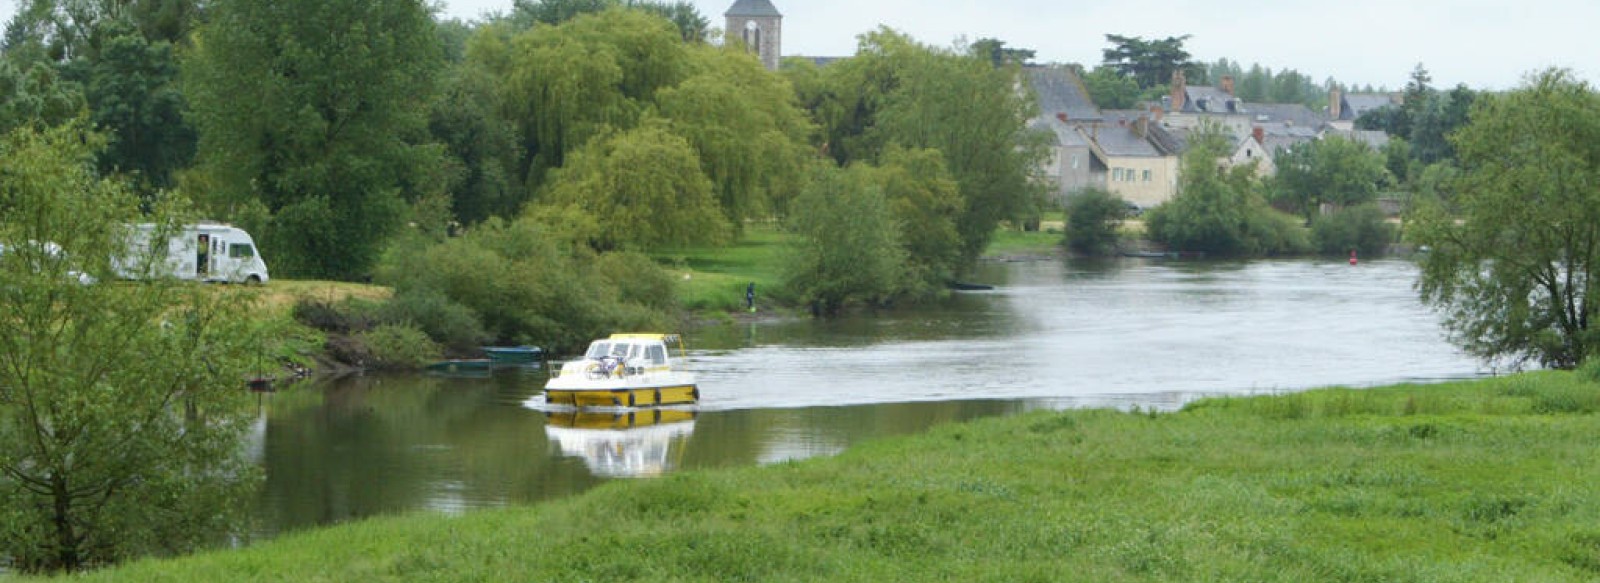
<point>624,370</point>
<point>514,354</point>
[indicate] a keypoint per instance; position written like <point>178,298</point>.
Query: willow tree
<point>312,121</point>
<point>642,189</point>
<point>122,407</point>
<point>1514,266</point>
<point>746,128</point>
<point>565,84</point>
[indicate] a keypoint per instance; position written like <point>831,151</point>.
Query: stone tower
<point>759,26</point>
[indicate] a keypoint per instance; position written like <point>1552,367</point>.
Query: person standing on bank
<point>750,296</point>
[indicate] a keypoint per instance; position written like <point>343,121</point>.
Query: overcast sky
<point>1487,44</point>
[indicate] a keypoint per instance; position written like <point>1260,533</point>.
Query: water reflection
<point>627,444</point>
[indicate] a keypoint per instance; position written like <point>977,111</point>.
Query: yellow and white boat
<point>625,370</point>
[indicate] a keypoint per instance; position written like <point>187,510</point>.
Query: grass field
<point>714,279</point>
<point>1495,480</point>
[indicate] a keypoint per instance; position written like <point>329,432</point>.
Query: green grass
<point>714,279</point>
<point>1495,480</point>
<point>1013,242</point>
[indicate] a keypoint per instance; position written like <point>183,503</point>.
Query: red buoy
<point>1352,256</point>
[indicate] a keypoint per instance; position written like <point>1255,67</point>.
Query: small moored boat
<point>514,354</point>
<point>625,370</point>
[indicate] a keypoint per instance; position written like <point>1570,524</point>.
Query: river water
<point>1053,334</point>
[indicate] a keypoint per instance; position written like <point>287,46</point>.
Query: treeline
<point>341,132</point>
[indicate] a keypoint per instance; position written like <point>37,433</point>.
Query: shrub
<point>1362,228</point>
<point>395,347</point>
<point>447,322</point>
<point>1092,220</point>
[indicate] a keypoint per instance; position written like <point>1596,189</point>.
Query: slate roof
<point>1376,139</point>
<point>1119,141</point>
<point>1202,98</point>
<point>1360,103</point>
<point>752,8</point>
<point>1063,132</point>
<point>1060,91</point>
<point>1293,113</point>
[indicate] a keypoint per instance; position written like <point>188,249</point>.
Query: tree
<point>1334,170</point>
<point>35,94</point>
<point>122,410</point>
<point>132,87</point>
<point>897,92</point>
<point>851,250</point>
<point>1110,89</point>
<point>1221,211</point>
<point>745,127</point>
<point>1093,217</point>
<point>1151,62</point>
<point>643,188</point>
<point>926,204</point>
<point>1514,268</point>
<point>997,53</point>
<point>312,118</point>
<point>1362,228</point>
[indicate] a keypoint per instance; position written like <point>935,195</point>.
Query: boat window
<point>635,351</point>
<point>598,350</point>
<point>619,350</point>
<point>657,355</point>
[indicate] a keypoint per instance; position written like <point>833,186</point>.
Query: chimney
<point>1335,108</point>
<point>1227,84</point>
<point>1122,121</point>
<point>1260,134</point>
<point>1157,112</point>
<point>1062,116</point>
<point>1141,127</point>
<point>1180,90</point>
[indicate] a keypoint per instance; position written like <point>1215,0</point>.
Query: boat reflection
<point>631,444</point>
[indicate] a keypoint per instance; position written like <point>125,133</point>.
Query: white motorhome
<point>206,251</point>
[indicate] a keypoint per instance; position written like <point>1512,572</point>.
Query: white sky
<point>1487,44</point>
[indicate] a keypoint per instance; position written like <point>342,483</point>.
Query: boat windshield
<point>598,349</point>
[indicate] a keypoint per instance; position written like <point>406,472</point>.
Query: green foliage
<point>1362,228</point>
<point>896,92</point>
<point>563,85</point>
<point>131,84</point>
<point>1221,212</point>
<point>926,204</point>
<point>447,322</point>
<point>480,144</point>
<point>1150,62</point>
<point>122,410</point>
<point>850,250</point>
<point>744,126</point>
<point>1512,268</point>
<point>528,286</point>
<point>36,94</point>
<point>399,347</point>
<point>313,113</point>
<point>1263,85</point>
<point>1336,171</point>
<point>1111,89</point>
<point>643,188</point>
<point>1093,217</point>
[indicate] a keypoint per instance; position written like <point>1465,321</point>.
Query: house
<point>1064,103</point>
<point>1345,108</point>
<point>1135,158</point>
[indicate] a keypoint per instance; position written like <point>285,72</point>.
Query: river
<point>1053,334</point>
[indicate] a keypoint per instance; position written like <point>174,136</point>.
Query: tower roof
<point>753,8</point>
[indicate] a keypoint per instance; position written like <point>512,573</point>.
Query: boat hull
<point>675,394</point>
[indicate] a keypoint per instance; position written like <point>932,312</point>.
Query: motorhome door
<point>202,259</point>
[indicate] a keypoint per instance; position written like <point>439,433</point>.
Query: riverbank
<point>1471,481</point>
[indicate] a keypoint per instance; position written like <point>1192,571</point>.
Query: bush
<point>447,322</point>
<point>398,347</point>
<point>1362,228</point>
<point>1092,220</point>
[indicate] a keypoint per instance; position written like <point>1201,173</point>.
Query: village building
<point>758,26</point>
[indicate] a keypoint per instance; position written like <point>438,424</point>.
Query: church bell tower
<point>759,27</point>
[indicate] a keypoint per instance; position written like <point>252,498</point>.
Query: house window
<point>1074,162</point>
<point>1146,175</point>
<point>1116,174</point>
